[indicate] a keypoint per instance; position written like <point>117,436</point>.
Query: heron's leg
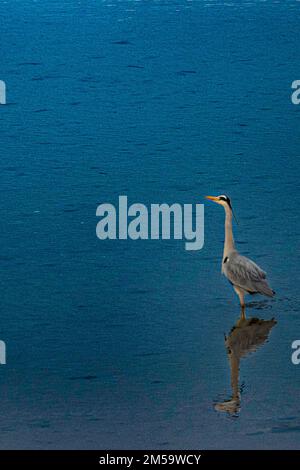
<point>241,295</point>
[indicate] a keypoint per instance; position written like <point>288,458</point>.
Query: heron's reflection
<point>245,337</point>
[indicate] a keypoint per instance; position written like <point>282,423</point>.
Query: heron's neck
<point>229,242</point>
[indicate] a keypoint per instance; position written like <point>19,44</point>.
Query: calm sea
<point>120,344</point>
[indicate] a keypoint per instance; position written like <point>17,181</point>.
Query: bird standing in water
<point>245,276</point>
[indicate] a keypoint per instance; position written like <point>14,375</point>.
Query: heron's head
<point>223,200</point>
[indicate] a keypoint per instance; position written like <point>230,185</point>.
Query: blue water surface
<point>120,344</point>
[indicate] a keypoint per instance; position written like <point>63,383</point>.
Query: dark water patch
<point>122,42</point>
<point>186,72</point>
<point>287,418</point>
<point>9,103</point>
<point>139,291</point>
<point>285,429</point>
<point>244,60</point>
<point>5,258</point>
<point>70,210</point>
<point>47,77</point>
<point>40,424</point>
<point>10,168</point>
<point>89,80</point>
<point>150,354</point>
<point>260,305</point>
<point>29,63</point>
<point>115,325</point>
<point>84,377</point>
<point>135,66</point>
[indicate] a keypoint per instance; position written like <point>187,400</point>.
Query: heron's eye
<point>222,198</point>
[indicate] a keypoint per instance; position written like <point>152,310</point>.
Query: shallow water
<point>121,344</point>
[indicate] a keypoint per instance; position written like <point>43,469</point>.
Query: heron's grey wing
<point>244,273</point>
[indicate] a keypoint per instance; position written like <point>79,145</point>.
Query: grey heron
<point>245,276</point>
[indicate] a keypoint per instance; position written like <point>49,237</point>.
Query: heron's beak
<point>212,198</point>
